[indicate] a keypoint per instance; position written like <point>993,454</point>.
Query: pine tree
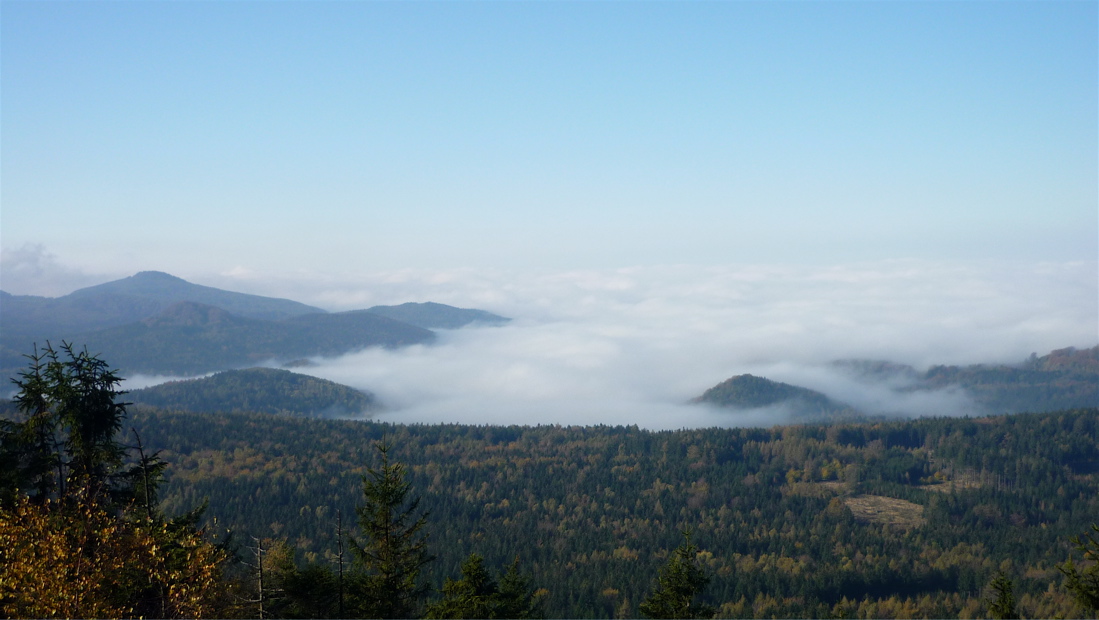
<point>394,547</point>
<point>680,581</point>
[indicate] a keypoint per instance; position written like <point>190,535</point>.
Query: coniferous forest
<point>164,513</point>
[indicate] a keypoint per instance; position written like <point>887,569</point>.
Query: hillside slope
<point>752,392</point>
<point>259,390</point>
<point>190,338</point>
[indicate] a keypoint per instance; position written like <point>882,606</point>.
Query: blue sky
<point>201,137</point>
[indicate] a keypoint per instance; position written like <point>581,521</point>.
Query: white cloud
<point>31,269</point>
<point>633,345</point>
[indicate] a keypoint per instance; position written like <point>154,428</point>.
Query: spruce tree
<point>680,581</point>
<point>1002,604</point>
<point>1083,581</point>
<point>393,549</point>
<point>478,595</point>
<point>81,534</point>
<point>67,441</point>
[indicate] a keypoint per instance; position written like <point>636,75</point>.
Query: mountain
<point>259,390</point>
<point>164,290</point>
<point>431,315</point>
<point>190,338</point>
<point>1063,379</point>
<point>752,392</point>
<point>27,319</point>
<point>153,322</point>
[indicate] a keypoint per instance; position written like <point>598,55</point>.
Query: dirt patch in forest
<point>887,510</point>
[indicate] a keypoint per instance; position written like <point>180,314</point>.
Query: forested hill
<point>898,519</point>
<point>752,392</point>
<point>259,390</point>
<point>1062,379</point>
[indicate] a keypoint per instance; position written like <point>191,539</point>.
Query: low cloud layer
<point>631,346</point>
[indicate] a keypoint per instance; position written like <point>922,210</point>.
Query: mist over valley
<point>614,347</point>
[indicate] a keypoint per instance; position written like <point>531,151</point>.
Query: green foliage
<point>593,510</point>
<point>478,595</point>
<point>260,390</point>
<point>1083,582</point>
<point>680,582</point>
<point>311,592</point>
<point>80,535</point>
<point>394,546</point>
<point>1001,605</point>
<point>67,435</point>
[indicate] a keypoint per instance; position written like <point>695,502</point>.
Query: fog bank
<point>632,346</point>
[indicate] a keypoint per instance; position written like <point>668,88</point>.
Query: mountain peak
<point>151,276</point>
<point>750,391</point>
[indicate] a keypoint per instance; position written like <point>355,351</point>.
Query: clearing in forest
<point>888,510</point>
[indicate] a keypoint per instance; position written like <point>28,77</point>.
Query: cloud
<point>31,269</point>
<point>631,346</point>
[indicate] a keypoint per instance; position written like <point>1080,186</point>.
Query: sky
<point>913,180</point>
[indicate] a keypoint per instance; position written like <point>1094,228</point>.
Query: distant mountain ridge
<point>166,289</point>
<point>431,315</point>
<point>26,319</point>
<point>154,322</point>
<point>190,338</point>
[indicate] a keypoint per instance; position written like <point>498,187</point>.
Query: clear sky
<point>207,137</point>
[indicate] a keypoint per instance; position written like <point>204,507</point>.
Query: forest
<point>933,517</point>
<point>259,390</point>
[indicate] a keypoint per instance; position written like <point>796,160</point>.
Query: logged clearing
<point>888,510</point>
